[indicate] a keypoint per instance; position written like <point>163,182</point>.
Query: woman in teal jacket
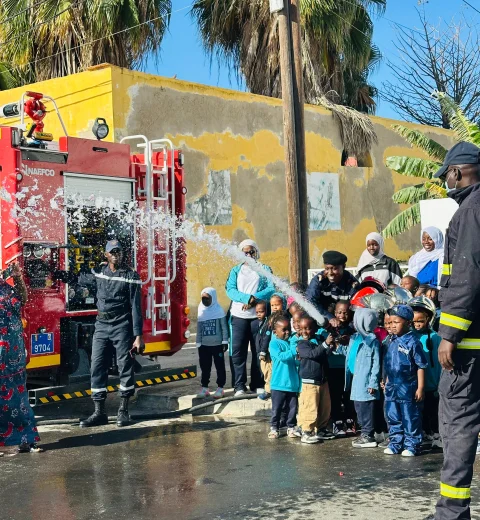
<point>245,286</point>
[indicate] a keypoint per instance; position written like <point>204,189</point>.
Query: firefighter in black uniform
<point>459,351</point>
<point>119,324</point>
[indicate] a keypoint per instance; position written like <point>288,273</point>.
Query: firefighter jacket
<point>460,283</point>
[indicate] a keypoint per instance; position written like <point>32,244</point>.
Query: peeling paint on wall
<point>323,201</point>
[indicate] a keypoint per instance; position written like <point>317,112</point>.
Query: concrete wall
<point>233,144</point>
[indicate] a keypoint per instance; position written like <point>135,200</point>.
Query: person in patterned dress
<point>17,420</point>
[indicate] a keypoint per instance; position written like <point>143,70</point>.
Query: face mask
<point>206,302</point>
<point>449,190</point>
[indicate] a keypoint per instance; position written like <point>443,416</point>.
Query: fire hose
<point>159,415</point>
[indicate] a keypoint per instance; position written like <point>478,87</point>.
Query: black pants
<point>280,401</point>
<point>365,415</point>
<point>430,413</point>
<point>241,336</point>
<point>342,406</point>
<point>459,421</point>
<point>207,354</point>
<point>380,420</point>
<point>117,333</point>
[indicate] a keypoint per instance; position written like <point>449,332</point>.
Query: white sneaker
<point>219,393</point>
<point>388,451</point>
<point>238,393</point>
<point>260,391</point>
<point>408,453</point>
<point>204,393</point>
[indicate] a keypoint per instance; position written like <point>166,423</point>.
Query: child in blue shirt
<point>285,382</point>
<point>430,341</point>
<point>404,370</point>
<point>363,373</point>
<point>277,304</point>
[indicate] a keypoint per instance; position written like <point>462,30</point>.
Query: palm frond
<point>412,166</point>
<point>418,139</point>
<point>465,130</point>
<point>410,194</point>
<point>436,190</point>
<point>403,221</point>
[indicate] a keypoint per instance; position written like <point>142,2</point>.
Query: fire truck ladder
<point>161,254</point>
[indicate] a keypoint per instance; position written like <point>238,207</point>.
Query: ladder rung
<point>164,199</point>
<point>164,252</point>
<point>157,305</point>
<point>159,172</point>
<point>161,278</point>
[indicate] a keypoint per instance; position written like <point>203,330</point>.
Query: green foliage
<point>464,130</point>
<point>412,166</point>
<point>403,221</point>
<point>53,38</point>
<point>419,140</point>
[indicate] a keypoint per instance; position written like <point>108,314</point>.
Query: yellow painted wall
<point>221,129</point>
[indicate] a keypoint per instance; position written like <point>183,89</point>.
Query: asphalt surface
<point>210,469</point>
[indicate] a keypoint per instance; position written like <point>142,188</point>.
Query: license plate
<point>42,344</point>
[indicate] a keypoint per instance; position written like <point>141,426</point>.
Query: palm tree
<point>43,39</point>
<point>464,130</point>
<point>337,45</point>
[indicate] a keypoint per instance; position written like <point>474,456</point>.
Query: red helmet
<point>357,300</point>
<point>370,281</point>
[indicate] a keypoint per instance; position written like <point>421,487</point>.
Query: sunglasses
<point>250,253</point>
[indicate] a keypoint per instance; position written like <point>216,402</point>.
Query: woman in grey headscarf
<point>245,286</point>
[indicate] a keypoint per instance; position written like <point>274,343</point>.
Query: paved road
<point>210,469</point>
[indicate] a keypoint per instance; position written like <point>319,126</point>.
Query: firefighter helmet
<point>378,302</point>
<point>423,302</point>
<point>370,281</point>
<point>399,295</point>
<point>357,300</point>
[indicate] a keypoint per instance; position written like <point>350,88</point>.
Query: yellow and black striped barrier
<point>67,393</point>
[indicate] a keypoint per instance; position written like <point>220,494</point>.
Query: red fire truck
<point>44,229</point>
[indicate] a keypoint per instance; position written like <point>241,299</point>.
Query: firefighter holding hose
<point>119,325</point>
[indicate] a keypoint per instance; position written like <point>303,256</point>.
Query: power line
<point>6,71</point>
<point>56,15</point>
<point>470,5</point>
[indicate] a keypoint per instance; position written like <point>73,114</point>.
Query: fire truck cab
<point>60,203</point>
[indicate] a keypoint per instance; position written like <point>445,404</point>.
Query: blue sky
<point>182,53</point>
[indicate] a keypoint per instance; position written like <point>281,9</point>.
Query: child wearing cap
<point>404,371</point>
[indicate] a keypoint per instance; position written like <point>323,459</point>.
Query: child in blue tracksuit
<point>362,373</point>
<point>430,341</point>
<point>404,370</point>
<point>285,382</point>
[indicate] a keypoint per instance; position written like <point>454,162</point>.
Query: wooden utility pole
<point>288,94</point>
<point>299,100</point>
<point>294,137</point>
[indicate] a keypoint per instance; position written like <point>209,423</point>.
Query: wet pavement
<point>210,469</point>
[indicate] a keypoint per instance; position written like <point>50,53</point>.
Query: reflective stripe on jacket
<point>460,283</point>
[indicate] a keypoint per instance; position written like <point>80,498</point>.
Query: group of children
<point>371,368</point>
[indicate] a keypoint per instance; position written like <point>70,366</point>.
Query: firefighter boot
<point>98,418</point>
<point>123,419</point>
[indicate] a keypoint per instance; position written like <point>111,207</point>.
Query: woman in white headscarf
<point>245,287</point>
<point>375,263</point>
<point>426,265</point>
